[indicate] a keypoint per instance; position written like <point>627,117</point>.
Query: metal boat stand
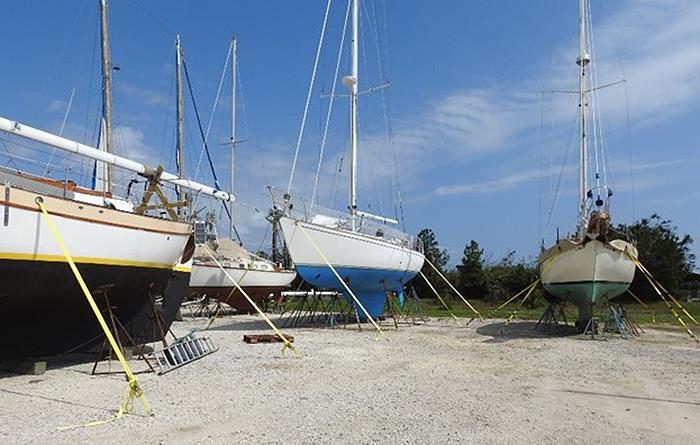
<point>119,330</point>
<point>620,322</point>
<point>317,309</point>
<point>410,313</point>
<point>552,318</point>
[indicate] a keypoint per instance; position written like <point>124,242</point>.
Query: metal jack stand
<point>414,308</point>
<point>591,327</point>
<point>118,329</point>
<point>551,319</point>
<point>619,322</point>
<point>316,309</point>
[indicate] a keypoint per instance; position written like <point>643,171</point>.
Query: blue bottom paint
<point>368,285</point>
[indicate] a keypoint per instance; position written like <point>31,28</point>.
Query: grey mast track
<point>106,94</point>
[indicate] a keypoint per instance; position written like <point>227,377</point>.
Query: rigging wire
<point>330,104</point>
<point>206,146</point>
<point>386,108</point>
<point>213,111</point>
<point>308,96</point>
<point>371,165</point>
<point>629,149</point>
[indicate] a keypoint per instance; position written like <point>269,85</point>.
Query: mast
<point>351,83</point>
<point>106,93</point>
<point>234,69</point>
<point>582,60</point>
<point>180,113</point>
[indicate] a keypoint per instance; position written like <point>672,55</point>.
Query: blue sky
<point>479,145</point>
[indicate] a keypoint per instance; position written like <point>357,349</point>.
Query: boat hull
<point>369,265</point>
<point>130,258</point>
<point>211,281</point>
<point>587,274</point>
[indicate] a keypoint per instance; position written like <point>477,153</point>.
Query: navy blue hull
<point>369,285</point>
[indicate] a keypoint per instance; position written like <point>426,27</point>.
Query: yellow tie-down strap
<point>134,391</point>
<point>287,343</point>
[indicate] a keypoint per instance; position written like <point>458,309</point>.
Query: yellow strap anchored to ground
<point>440,298</point>
<point>517,308</point>
<point>644,305</point>
<point>134,389</point>
<point>213,318</point>
<point>658,288</point>
<point>328,263</point>
<point>454,289</point>
<point>287,343</point>
<point>648,274</point>
<point>535,283</point>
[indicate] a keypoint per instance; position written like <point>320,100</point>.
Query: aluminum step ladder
<point>183,351</point>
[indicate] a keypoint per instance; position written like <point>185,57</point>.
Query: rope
<point>134,391</point>
<point>287,343</point>
<point>440,298</point>
<point>330,105</point>
<point>454,289</point>
<point>308,96</point>
<point>325,259</point>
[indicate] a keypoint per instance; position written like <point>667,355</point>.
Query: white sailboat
<point>371,257</point>
<point>259,277</point>
<point>123,254</point>
<point>588,268</point>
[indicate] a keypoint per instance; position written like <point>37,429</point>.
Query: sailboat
<point>372,257</point>
<point>590,267</point>
<point>126,256</point>
<point>258,277</point>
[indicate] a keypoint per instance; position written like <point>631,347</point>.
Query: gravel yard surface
<point>435,383</point>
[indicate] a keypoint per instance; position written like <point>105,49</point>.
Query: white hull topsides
<point>93,234</point>
<point>346,249</point>
<point>572,262</point>
<point>208,275</point>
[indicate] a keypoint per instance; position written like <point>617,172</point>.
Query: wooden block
<point>27,368</point>
<point>265,338</point>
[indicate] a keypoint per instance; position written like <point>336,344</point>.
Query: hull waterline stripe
<point>91,260</point>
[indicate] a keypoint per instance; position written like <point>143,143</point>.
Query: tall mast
<point>234,69</point>
<point>351,82</point>
<point>180,113</point>
<point>106,93</point>
<point>582,61</point>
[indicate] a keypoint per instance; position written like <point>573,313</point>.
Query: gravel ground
<point>435,383</point>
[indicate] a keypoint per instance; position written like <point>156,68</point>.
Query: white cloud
<point>655,43</point>
<point>512,180</point>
